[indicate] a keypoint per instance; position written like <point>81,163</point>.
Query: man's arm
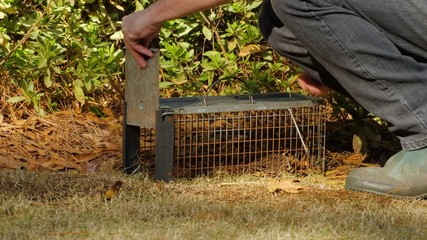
<point>141,27</point>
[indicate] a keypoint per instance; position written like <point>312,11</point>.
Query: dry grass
<point>48,204</point>
<point>42,205</point>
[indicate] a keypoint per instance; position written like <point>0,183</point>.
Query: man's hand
<point>313,86</point>
<point>139,30</point>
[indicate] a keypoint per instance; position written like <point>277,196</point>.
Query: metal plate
<point>235,103</point>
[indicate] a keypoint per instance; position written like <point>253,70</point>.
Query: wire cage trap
<point>194,136</point>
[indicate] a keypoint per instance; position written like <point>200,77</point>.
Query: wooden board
<point>141,91</point>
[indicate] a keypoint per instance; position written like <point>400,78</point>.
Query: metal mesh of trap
<point>147,147</point>
<point>267,141</point>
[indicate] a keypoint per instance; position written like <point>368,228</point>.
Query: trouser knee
<point>273,29</point>
<point>267,19</point>
<point>279,36</point>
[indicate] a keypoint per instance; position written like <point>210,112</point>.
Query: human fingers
<point>313,86</point>
<point>139,52</point>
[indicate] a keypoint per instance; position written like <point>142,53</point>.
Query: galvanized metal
<point>164,146</point>
<point>235,103</point>
<point>193,136</point>
<point>264,141</point>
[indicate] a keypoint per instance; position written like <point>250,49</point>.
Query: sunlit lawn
<point>40,205</point>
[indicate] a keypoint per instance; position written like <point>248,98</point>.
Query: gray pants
<point>375,51</point>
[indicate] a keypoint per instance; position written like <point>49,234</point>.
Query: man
<point>374,51</point>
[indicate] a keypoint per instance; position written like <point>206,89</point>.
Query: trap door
<point>142,91</point>
<point>140,106</point>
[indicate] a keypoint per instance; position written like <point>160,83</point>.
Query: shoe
<point>403,176</point>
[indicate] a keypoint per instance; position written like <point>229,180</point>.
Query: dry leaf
<point>92,166</point>
<point>339,172</point>
<point>91,137</point>
<point>106,165</point>
<point>107,146</point>
<point>355,159</point>
<point>250,49</point>
<point>85,157</point>
<point>9,162</point>
<point>97,195</point>
<point>108,112</point>
<point>286,186</point>
<point>60,164</point>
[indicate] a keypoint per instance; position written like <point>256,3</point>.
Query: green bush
<point>61,52</point>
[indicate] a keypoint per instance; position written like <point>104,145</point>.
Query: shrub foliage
<point>60,53</point>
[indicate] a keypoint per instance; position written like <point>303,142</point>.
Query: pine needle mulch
<point>63,141</point>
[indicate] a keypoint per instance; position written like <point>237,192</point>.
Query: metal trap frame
<point>194,136</point>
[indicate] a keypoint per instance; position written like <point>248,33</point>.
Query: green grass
<point>40,205</point>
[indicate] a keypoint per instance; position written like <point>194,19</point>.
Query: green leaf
<point>48,79</point>
<point>88,85</point>
<point>232,44</point>
<point>30,86</point>
<point>97,110</point>
<point>117,5</point>
<point>180,79</point>
<point>167,64</point>
<point>208,66</point>
<point>163,85</point>
<point>117,36</point>
<point>207,32</point>
<point>56,69</point>
<point>40,111</point>
<point>138,6</point>
<point>16,99</point>
<point>78,91</point>
<point>7,8</point>
<point>78,83</point>
<point>253,5</point>
<point>42,62</point>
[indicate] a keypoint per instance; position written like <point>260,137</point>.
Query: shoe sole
<point>419,197</point>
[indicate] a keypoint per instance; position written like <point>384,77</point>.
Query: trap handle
<point>205,97</point>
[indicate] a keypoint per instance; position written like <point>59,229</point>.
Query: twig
<point>241,183</point>
<point>218,38</point>
<point>26,36</point>
<point>108,17</point>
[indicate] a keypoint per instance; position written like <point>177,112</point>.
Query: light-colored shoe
<point>404,176</point>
